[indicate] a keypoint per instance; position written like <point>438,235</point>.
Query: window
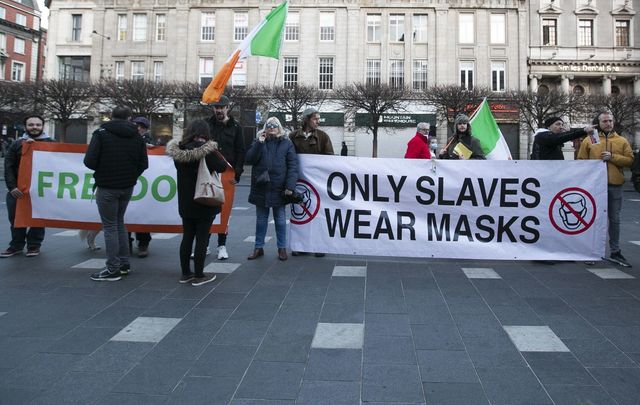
<point>466,75</point>
<point>498,76</point>
<point>374,24</point>
<point>119,67</point>
<point>3,41</point>
<point>622,32</point>
<point>240,26</point>
<point>290,71</point>
<point>161,27</point>
<point>208,26</point>
<point>396,73</point>
<point>327,26</point>
<point>18,45</point>
<point>498,28</point>
<point>396,27</point>
<point>578,90</point>
<point>466,27</point>
<point>585,32</point>
<point>239,75</point>
<point>74,68</point>
<point>206,71</point>
<point>419,28</point>
<point>76,27</point>
<point>549,32</point>
<point>3,13</point>
<point>17,71</point>
<point>36,23</point>
<point>122,27</point>
<point>325,74</point>
<point>419,74</point>
<point>158,71</point>
<point>137,70</point>
<point>373,72</point>
<point>615,90</point>
<point>21,19</point>
<point>139,27</point>
<point>292,26</point>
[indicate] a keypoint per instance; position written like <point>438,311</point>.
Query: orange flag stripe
<point>215,89</point>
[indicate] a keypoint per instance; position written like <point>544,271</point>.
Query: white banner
<point>473,209</point>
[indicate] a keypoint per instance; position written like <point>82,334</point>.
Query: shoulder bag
<point>209,190</point>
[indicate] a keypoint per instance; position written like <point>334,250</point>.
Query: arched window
<point>543,89</point>
<point>578,90</point>
<point>615,90</point>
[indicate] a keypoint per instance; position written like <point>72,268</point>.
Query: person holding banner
<point>118,156</point>
<point>32,237</point>
<point>196,144</point>
<point>548,141</point>
<point>274,175</point>
<point>615,151</point>
<point>462,145</point>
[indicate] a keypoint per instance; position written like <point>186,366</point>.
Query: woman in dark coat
<point>274,153</point>
<point>463,136</point>
<point>196,218</point>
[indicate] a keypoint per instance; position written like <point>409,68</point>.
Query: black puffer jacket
<point>230,142</point>
<point>548,146</point>
<point>467,140</point>
<point>186,158</point>
<point>12,162</point>
<point>117,154</point>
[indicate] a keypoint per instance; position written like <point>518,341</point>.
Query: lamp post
<point>102,38</point>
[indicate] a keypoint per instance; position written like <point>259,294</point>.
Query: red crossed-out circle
<point>314,200</point>
<point>586,224</point>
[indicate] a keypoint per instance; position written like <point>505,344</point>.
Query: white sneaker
<point>207,253</point>
<point>222,253</point>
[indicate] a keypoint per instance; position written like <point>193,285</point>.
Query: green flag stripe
<point>266,41</point>
<point>485,128</point>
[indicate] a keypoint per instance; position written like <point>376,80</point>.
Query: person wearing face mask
<point>32,237</point>
<point>548,141</point>
<point>274,175</point>
<point>462,136</point>
<point>615,151</point>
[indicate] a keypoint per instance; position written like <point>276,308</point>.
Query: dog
<point>90,238</point>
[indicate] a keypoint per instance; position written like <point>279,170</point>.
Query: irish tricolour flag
<point>485,129</point>
<point>263,40</point>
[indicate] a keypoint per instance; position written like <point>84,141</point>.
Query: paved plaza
<point>332,330</point>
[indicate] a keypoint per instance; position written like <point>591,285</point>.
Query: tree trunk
<point>374,151</point>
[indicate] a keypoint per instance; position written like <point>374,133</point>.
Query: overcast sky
<point>45,14</point>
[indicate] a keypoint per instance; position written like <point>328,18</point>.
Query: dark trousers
<point>112,205</point>
<point>33,237</point>
<point>143,238</point>
<point>197,229</point>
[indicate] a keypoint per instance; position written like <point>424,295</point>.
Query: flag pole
<point>275,77</point>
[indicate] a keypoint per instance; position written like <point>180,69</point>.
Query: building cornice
<point>147,4</point>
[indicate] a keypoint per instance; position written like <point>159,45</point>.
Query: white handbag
<point>209,190</point>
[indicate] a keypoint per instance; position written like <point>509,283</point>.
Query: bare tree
<point>375,100</point>
<point>64,100</point>
<point>451,100</point>
<point>535,107</point>
<point>143,97</point>
<point>292,100</point>
<point>624,108</point>
<point>245,98</point>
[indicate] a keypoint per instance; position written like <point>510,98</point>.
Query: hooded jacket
<point>230,142</point>
<point>278,156</point>
<point>12,159</point>
<point>621,154</point>
<point>186,159</point>
<point>117,154</point>
<point>418,147</point>
<point>548,146</point>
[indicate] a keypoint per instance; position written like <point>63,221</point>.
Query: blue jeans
<point>262,220</point>
<point>32,236</point>
<point>112,204</point>
<point>614,206</point>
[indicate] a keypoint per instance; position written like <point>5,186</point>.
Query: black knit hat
<point>550,121</point>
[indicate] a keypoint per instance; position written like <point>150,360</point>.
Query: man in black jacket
<point>33,237</point>
<point>228,134</point>
<point>118,156</point>
<point>548,141</point>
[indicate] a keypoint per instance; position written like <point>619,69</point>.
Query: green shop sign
<point>327,119</point>
<point>396,120</point>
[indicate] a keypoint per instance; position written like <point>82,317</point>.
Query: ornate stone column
<point>606,85</point>
<point>533,82</point>
<point>564,82</point>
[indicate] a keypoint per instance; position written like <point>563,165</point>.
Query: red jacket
<point>418,147</point>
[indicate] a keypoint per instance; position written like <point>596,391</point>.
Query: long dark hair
<point>196,129</point>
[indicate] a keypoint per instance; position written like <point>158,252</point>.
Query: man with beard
<point>117,154</point>
<point>228,134</point>
<point>32,237</point>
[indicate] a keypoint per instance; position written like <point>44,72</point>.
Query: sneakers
<point>10,252</point>
<point>222,253</point>
<point>33,251</point>
<point>143,251</point>
<point>125,269</point>
<point>106,275</point>
<point>206,254</point>
<point>186,279</point>
<point>618,259</point>
<point>207,278</point>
